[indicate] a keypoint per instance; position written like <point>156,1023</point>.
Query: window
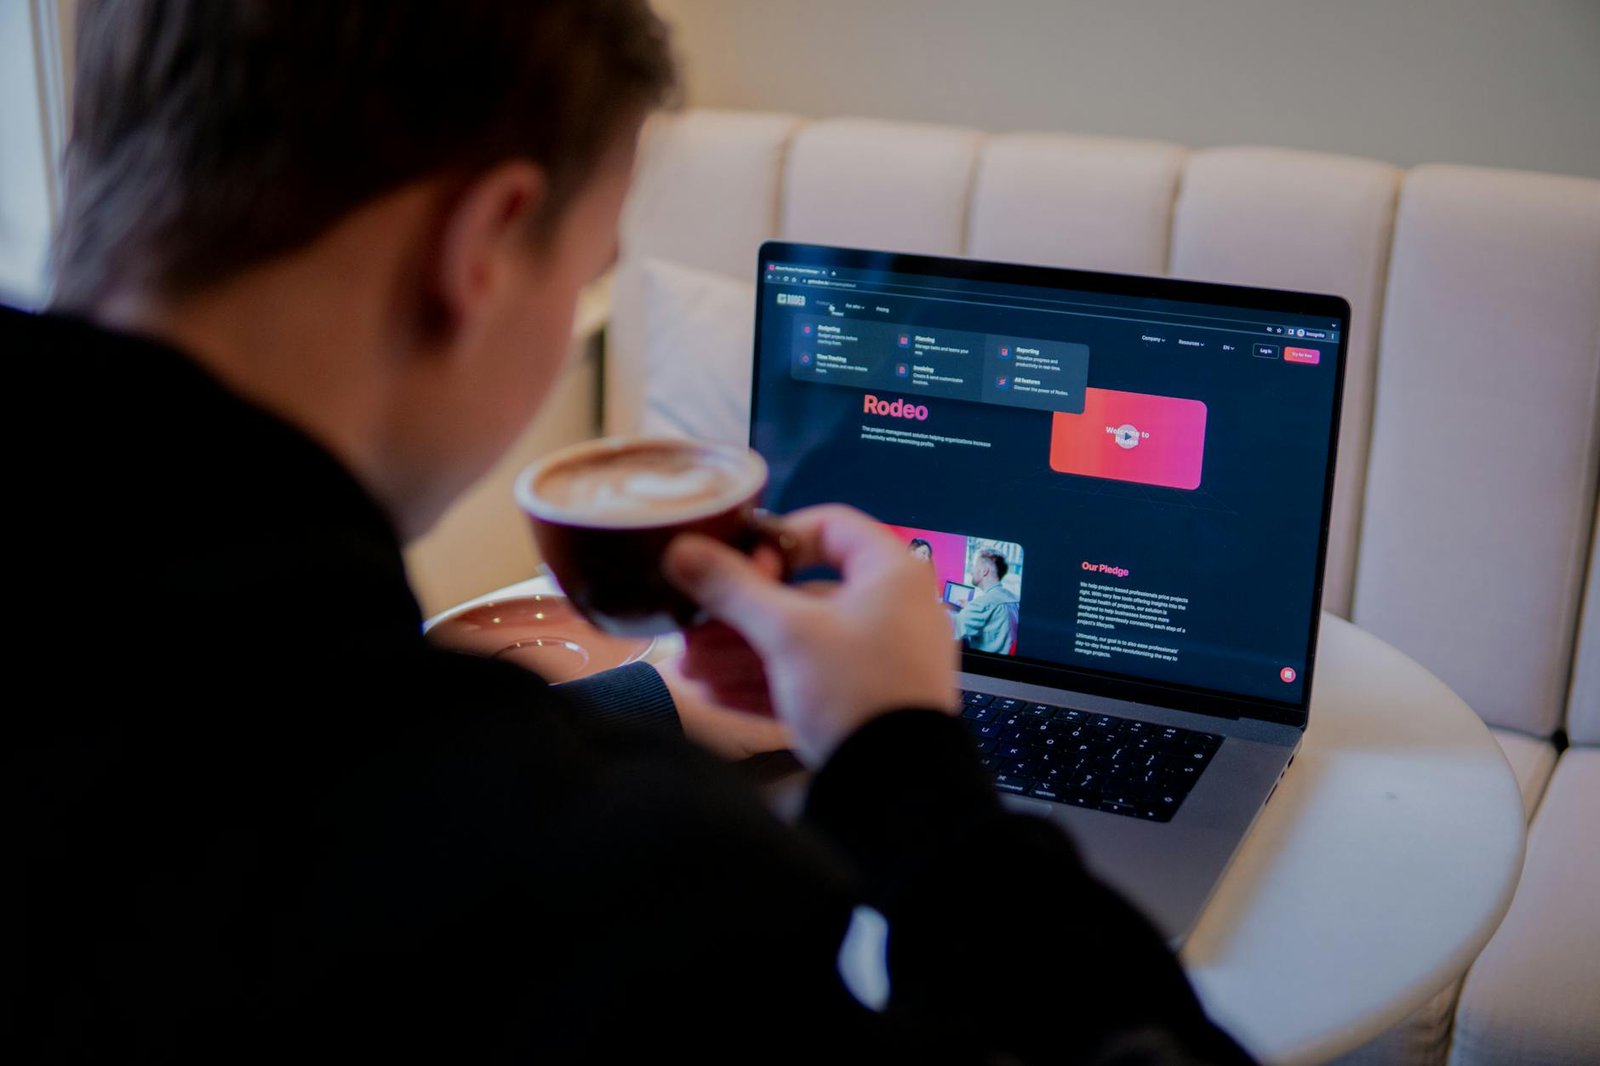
<point>32,125</point>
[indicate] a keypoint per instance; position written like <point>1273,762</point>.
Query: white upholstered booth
<point>1465,508</point>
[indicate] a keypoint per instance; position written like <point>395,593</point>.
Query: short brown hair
<point>210,135</point>
<point>996,560</point>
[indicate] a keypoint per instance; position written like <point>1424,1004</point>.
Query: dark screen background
<point>1243,547</point>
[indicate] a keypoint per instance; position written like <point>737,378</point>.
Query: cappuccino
<point>642,483</point>
<point>604,512</point>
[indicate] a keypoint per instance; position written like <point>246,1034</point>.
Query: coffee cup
<point>604,511</point>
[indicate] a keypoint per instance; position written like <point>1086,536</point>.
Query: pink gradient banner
<point>1132,436</point>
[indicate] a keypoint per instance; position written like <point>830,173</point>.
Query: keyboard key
<point>1056,760</point>
<point>1098,761</point>
<point>1056,727</point>
<point>1017,783</point>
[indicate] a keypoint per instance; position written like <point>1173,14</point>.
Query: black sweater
<point>251,815</point>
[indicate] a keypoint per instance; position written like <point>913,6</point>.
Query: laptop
<point>1132,475</point>
<point>957,594</point>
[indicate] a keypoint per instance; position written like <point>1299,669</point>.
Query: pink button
<point>1287,675</point>
<point>1302,355</point>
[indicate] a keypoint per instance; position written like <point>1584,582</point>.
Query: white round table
<point>1379,869</point>
<point>1382,865</point>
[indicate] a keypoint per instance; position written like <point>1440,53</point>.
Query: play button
<point>1127,436</point>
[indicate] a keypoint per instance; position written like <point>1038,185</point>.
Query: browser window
<point>1125,484</point>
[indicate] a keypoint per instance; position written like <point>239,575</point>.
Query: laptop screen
<point>1131,474</point>
<point>957,593</point>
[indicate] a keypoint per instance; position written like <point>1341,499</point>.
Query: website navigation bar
<point>1043,375</point>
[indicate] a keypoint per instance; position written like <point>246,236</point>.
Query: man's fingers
<point>841,537</point>
<point>730,587</point>
<point>715,653</point>
<point>716,637</point>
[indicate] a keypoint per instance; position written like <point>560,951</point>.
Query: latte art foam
<point>642,484</point>
<point>646,489</point>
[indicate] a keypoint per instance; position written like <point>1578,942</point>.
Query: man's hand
<point>832,657</point>
<point>721,725</point>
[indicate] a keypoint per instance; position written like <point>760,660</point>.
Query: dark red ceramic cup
<point>609,565</point>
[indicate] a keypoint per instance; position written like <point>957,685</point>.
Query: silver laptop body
<point>1140,440</point>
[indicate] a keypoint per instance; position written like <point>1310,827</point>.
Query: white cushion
<point>1480,492</point>
<point>705,195</point>
<point>1091,203</point>
<point>1307,221</point>
<point>699,329</point>
<point>706,189</point>
<point>1531,759</point>
<point>892,186</point>
<point>1583,705</point>
<point>1422,1039</point>
<point>1533,996</point>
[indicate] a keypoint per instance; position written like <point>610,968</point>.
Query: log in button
<point>1265,351</point>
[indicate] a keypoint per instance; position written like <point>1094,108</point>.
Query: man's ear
<point>487,220</point>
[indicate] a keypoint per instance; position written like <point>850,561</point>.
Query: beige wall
<point>483,542</point>
<point>1495,82</point>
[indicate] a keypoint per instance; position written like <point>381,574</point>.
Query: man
<point>317,268</point>
<point>988,621</point>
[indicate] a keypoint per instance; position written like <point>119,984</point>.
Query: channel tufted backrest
<point>1481,474</point>
<point>1465,500</point>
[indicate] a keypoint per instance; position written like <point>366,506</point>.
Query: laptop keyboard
<point>1118,765</point>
